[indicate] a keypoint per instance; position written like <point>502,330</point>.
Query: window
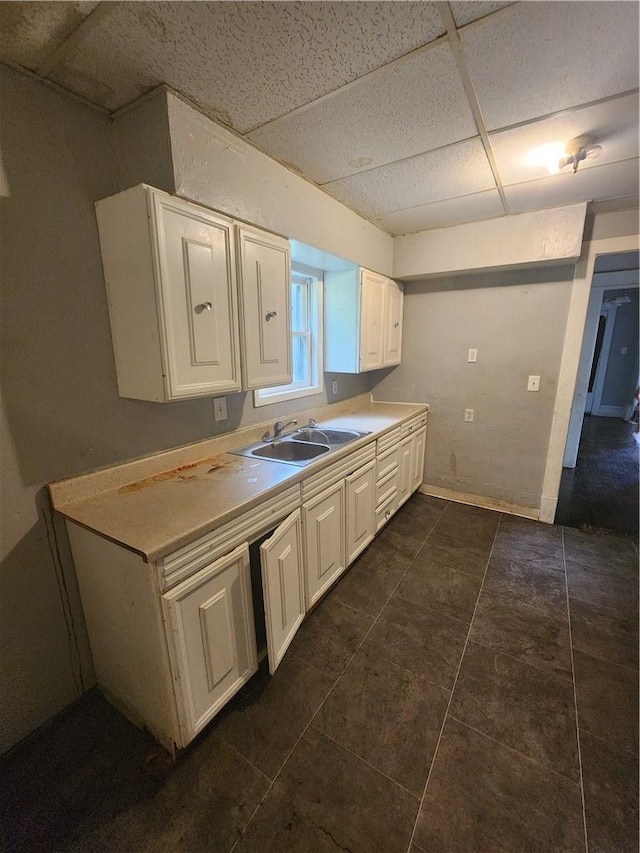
<point>306,339</point>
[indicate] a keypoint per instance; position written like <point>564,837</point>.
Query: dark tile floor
<point>471,684</point>
<point>602,490</point>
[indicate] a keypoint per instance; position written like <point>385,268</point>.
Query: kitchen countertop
<point>160,503</point>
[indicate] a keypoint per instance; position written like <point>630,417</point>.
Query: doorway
<point>599,483</point>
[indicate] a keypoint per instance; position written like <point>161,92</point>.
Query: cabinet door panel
<point>393,323</point>
<point>212,638</point>
<point>266,308</point>
<point>417,458</point>
<point>372,302</point>
<point>405,469</point>
<point>361,497</point>
<point>198,300</point>
<point>283,586</point>
<point>324,536</point>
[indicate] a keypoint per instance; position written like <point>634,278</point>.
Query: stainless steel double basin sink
<point>302,446</point>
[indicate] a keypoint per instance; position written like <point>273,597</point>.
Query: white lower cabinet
<point>405,469</point>
<point>411,465</point>
<point>282,561</point>
<point>211,635</point>
<point>361,505</point>
<point>324,540</point>
<point>173,641</point>
<point>417,458</point>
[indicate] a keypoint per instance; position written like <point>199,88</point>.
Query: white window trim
<point>269,396</point>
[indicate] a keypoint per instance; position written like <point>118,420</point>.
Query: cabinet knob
<point>270,314</point>
<point>203,306</point>
<point>395,325</point>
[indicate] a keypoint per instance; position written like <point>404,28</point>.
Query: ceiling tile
<point>539,58</point>
<point>614,124</point>
<point>248,62</point>
<point>616,180</point>
<point>456,170</point>
<point>406,108</point>
<point>440,214</point>
<point>31,32</point>
<point>465,11</point>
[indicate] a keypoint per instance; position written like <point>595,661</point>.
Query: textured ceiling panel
<point>440,214</point>
<point>538,58</point>
<point>617,180</point>
<point>248,62</point>
<point>465,11</point>
<point>31,32</point>
<point>457,170</point>
<point>614,124</point>
<point>407,108</point>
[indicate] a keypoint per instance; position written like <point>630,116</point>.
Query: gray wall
<point>516,320</point>
<point>60,412</point>
<point>621,377</point>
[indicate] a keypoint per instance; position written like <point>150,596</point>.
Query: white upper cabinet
<point>172,287</point>
<point>264,262</point>
<point>363,321</point>
<point>394,297</point>
<point>372,320</point>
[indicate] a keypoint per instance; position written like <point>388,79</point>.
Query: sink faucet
<point>279,427</point>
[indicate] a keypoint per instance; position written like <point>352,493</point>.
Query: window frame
<point>315,332</point>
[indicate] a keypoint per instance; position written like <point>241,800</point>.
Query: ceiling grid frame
<point>488,84</point>
<point>456,49</point>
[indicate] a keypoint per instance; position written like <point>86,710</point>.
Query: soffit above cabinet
<point>416,115</point>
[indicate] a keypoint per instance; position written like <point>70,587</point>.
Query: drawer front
<point>338,471</point>
<point>245,528</point>
<point>414,425</point>
<point>387,463</point>
<point>386,510</point>
<point>388,440</point>
<point>387,486</point>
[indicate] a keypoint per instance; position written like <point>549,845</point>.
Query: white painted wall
<point>547,237</point>
<point>517,321</point>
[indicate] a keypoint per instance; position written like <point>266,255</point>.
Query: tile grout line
<point>575,699</point>
<point>608,661</point>
<point>566,678</point>
<point>364,761</point>
<point>515,751</point>
<point>613,745</point>
<point>455,681</point>
<point>331,689</point>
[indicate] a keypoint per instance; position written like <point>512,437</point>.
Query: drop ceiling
<point>417,115</point>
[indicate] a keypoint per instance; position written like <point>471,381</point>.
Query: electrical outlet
<point>533,384</point>
<point>220,409</point>
<point>468,415</point>
<point>472,355</point>
<point>334,387</point>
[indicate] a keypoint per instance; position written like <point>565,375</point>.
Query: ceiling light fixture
<point>558,155</point>
<point>577,150</point>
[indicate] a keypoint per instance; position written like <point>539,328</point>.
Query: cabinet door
<point>405,469</point>
<point>417,458</point>
<point>393,323</point>
<point>324,538</point>
<point>197,299</point>
<point>265,290</point>
<point>372,299</point>
<point>212,640</point>
<point>283,586</point>
<point>361,505</point>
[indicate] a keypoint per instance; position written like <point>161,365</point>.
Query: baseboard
<point>483,503</point>
<point>611,411</point>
